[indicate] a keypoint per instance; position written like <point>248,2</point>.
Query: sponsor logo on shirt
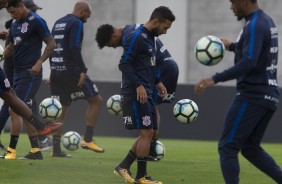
<point>60,26</point>
<point>57,37</point>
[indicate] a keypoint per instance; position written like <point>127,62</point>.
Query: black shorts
<point>64,87</point>
<point>27,85</point>
<point>139,116</point>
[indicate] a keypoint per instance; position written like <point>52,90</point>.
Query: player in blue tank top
<point>255,69</point>
<point>167,69</point>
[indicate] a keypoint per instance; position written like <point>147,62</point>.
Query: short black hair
<point>13,3</point>
<point>162,13</point>
<point>104,34</point>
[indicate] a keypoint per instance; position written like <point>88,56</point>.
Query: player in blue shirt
<point>68,79</point>
<point>167,69</point>
<point>25,40</point>
<point>255,69</point>
<point>138,67</point>
<point>8,67</point>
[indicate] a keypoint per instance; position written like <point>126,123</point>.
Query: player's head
<point>242,8</point>
<point>82,10</point>
<point>29,4</point>
<point>108,36</point>
<point>17,9</point>
<point>3,4</point>
<point>161,20</point>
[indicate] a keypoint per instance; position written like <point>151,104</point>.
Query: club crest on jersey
<point>146,121</point>
<point>24,27</point>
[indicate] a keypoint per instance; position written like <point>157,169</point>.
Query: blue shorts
<point>4,82</point>
<point>64,87</point>
<point>139,116</point>
<point>26,85</point>
<point>168,74</point>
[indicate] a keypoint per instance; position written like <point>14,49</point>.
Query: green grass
<point>185,162</point>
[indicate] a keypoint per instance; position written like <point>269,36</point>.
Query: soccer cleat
<point>152,158</point>
<point>50,128</point>
<point>60,154</point>
<point>125,173</point>
<point>33,156</point>
<point>91,146</point>
<point>45,144</point>
<point>10,154</point>
<point>146,180</point>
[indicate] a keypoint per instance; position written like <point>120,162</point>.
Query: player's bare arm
<point>203,84</point>
<point>50,46</point>
<point>141,94</point>
<point>81,79</point>
<point>8,51</point>
<point>162,89</point>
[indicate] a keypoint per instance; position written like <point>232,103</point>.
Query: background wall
<point>194,19</point>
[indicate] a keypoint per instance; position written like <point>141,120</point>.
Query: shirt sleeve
<point>76,37</point>
<point>131,43</point>
<point>253,37</point>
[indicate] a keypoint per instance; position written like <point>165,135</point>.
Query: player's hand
<point>36,68</point>
<point>3,35</point>
<point>81,79</point>
<point>161,89</point>
<point>141,94</point>
<point>226,43</point>
<point>203,84</point>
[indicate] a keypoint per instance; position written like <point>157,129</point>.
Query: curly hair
<point>103,35</point>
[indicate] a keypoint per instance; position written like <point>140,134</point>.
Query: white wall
<point>175,38</point>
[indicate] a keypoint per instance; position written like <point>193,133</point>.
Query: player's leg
<point>252,150</point>
<point>93,111</point>
<point>57,151</point>
<point>4,115</point>
<point>60,89</point>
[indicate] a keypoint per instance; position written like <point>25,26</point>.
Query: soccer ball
<point>160,150</point>
<point>50,109</point>
<point>186,111</point>
<point>1,52</point>
<point>114,105</point>
<point>71,140</point>
<point>209,50</point>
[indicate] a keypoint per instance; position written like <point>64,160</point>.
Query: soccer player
<point>138,67</point>
<point>8,67</point>
<point>25,42</point>
<point>257,96</point>
<point>68,79</point>
<point>167,69</point>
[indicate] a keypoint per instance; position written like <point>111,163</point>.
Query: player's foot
<point>2,147</point>
<point>91,146</point>
<point>147,180</point>
<point>50,128</point>
<point>60,154</point>
<point>125,173</point>
<point>10,154</point>
<point>152,158</point>
<point>37,155</point>
<point>45,144</point>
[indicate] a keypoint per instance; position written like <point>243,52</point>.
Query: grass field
<point>185,162</point>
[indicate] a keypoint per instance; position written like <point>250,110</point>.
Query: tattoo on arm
<point>50,46</point>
